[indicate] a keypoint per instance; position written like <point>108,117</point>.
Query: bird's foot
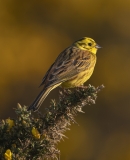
<point>81,86</point>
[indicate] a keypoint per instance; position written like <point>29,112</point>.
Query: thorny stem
<point>49,128</point>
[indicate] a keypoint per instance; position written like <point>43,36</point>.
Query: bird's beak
<point>97,46</point>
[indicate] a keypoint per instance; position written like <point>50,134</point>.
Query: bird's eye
<point>89,44</point>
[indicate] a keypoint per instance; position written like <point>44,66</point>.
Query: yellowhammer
<point>72,68</point>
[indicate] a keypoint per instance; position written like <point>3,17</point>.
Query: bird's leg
<point>82,86</point>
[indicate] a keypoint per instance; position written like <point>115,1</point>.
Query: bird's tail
<point>40,98</point>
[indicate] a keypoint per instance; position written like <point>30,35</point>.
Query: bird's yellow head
<point>87,44</point>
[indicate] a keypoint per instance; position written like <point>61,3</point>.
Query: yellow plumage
<point>72,68</point>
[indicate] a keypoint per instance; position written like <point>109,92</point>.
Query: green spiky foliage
<point>48,128</point>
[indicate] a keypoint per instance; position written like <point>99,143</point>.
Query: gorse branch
<point>35,138</point>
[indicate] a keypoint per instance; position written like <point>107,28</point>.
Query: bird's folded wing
<point>68,64</point>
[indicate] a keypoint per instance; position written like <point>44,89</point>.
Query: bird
<point>72,68</point>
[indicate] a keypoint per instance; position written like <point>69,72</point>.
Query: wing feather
<point>68,64</point>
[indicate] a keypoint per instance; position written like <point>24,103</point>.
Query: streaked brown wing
<point>45,77</point>
<point>68,64</point>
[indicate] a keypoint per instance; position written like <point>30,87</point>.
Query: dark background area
<point>33,33</point>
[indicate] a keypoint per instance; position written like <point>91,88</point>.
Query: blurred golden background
<point>33,33</point>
